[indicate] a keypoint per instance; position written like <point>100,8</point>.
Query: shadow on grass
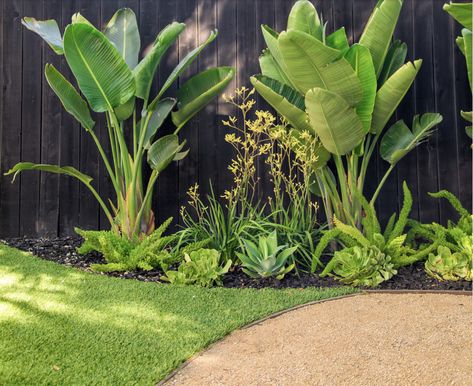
<point>62,326</point>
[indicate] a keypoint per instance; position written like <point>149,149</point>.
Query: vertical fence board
<point>69,154</point>
<point>31,122</point>
<point>226,56</point>
<point>11,133</point>
<point>34,126</point>
<point>209,127</point>
<point>168,184</point>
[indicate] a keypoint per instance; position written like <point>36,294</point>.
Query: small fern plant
<point>455,235</point>
<point>453,258</point>
<point>123,254</point>
<point>387,250</point>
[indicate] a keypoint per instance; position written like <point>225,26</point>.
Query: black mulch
<point>62,250</point>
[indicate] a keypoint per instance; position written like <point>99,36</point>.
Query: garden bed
<point>62,250</point>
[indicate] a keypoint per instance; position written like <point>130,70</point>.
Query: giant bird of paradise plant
<point>344,96</point>
<point>463,13</point>
<point>114,82</point>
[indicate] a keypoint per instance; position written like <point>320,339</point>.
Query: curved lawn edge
<point>252,324</point>
<point>300,306</point>
<point>62,325</point>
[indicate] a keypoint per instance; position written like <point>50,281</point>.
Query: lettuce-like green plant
<point>113,81</point>
<point>463,13</point>
<point>343,96</point>
<point>123,254</point>
<point>267,259</point>
<point>201,267</point>
<point>391,242</point>
<point>360,266</point>
<point>445,265</point>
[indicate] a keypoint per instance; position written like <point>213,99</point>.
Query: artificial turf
<point>62,326</point>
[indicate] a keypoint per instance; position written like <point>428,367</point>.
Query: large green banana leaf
<point>270,68</point>
<point>68,170</point>
<point>379,30</point>
<point>78,18</point>
<point>184,63</point>
<point>70,98</point>
<point>335,122</point>
<point>122,31</point>
<point>162,152</point>
<point>158,116</point>
<point>461,12</point>
<point>198,91</point>
<point>395,58</point>
<point>391,94</point>
<point>271,39</point>
<point>360,59</point>
<point>146,68</point>
<point>399,140</point>
<point>313,64</point>
<point>48,30</point>
<point>102,74</point>
<point>284,99</point>
<point>338,40</point>
<point>304,17</point>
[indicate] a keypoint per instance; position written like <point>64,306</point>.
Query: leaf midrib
<point>91,73</point>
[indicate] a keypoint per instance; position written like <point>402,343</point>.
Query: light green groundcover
<point>63,326</point>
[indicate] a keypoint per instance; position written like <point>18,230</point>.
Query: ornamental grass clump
<point>291,208</point>
<point>113,81</point>
<point>343,96</point>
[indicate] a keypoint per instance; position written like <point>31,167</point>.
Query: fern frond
<point>454,201</point>
<point>370,223</point>
<point>389,226</point>
<point>398,229</point>
<point>351,231</point>
<point>324,241</point>
<point>110,267</point>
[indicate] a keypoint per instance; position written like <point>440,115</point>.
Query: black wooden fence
<point>34,127</point>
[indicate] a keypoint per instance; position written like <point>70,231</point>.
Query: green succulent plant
<point>360,266</point>
<point>201,267</point>
<point>450,266</point>
<point>267,259</point>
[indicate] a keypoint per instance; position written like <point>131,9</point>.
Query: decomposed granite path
<point>370,339</point>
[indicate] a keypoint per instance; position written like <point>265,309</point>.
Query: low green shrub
<point>201,267</point>
<point>453,243</point>
<point>267,259</point>
<point>123,254</point>
<point>448,265</point>
<point>376,254</point>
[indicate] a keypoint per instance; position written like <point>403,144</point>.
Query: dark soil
<point>62,250</point>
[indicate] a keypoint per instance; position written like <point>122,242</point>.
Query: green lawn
<point>63,326</point>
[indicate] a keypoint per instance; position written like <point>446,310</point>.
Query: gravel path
<point>374,339</point>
